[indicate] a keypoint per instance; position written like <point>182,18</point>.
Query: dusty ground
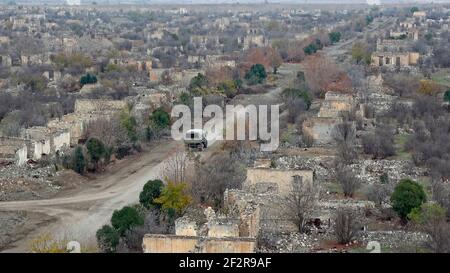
<point>80,211</point>
<point>15,225</point>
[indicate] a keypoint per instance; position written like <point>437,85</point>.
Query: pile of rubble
<point>26,182</point>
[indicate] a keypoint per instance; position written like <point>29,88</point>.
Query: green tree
<point>152,190</point>
<point>96,150</point>
<point>407,195</point>
<point>228,87</point>
<point>198,84</point>
<point>160,118</point>
<point>107,239</point>
<point>78,160</point>
<point>88,79</point>
<point>334,37</point>
<point>290,94</point>
<point>256,74</point>
<point>129,123</point>
<point>360,53</point>
<point>447,96</point>
<point>126,218</point>
<point>174,197</point>
<point>310,49</point>
<point>414,9</point>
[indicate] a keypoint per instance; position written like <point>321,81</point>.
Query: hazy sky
<point>216,1</point>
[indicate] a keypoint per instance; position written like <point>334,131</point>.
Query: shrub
<point>152,190</point>
<point>160,118</point>
<point>407,195</point>
<point>198,84</point>
<point>46,243</point>
<point>96,150</point>
<point>78,160</point>
<point>290,94</point>
<point>447,96</point>
<point>107,239</point>
<point>334,37</point>
<point>129,123</point>
<point>256,74</point>
<point>88,79</point>
<point>123,150</point>
<point>126,218</point>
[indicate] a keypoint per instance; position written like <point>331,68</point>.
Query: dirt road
<point>82,213</point>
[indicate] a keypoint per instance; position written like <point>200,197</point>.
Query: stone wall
<point>89,106</point>
<point>334,104</point>
<point>395,59</point>
<point>320,129</point>
<point>16,153</point>
<point>281,178</point>
<point>218,229</point>
<point>60,141</point>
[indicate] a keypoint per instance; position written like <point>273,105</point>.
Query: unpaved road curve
<point>81,214</point>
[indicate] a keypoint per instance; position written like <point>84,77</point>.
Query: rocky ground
<point>16,224</point>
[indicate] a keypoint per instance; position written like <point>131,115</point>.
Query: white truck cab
<point>196,138</point>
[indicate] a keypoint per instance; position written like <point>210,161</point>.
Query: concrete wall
<point>282,178</point>
<point>159,243</point>
<point>230,245</point>
<point>22,155</point>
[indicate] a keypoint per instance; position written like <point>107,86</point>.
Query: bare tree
<point>344,134</point>
<point>380,143</point>
<point>347,179</point>
<point>300,202</point>
<point>108,130</point>
<point>175,168</point>
<point>378,193</point>
<point>346,227</point>
<point>214,176</point>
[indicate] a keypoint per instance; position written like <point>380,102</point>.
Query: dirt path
<point>81,214</point>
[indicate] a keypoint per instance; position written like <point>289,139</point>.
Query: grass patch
<point>400,141</point>
<point>442,78</point>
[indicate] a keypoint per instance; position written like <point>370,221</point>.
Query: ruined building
<point>394,53</point>
<point>254,209</point>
